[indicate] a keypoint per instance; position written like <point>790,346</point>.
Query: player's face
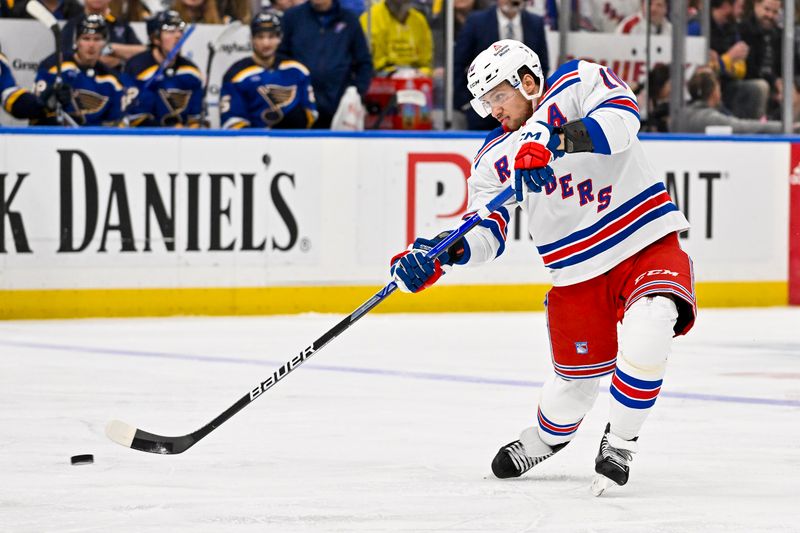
<point>89,46</point>
<point>766,12</point>
<point>265,44</point>
<point>168,40</point>
<point>97,6</point>
<point>508,106</point>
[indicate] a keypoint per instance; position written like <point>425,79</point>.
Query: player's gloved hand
<point>58,93</point>
<point>413,272</point>
<point>532,160</point>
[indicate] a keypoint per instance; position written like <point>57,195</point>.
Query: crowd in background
<point>322,47</point>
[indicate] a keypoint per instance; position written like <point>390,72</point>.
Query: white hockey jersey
<point>604,206</point>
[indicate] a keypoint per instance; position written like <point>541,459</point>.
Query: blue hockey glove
<point>413,272</point>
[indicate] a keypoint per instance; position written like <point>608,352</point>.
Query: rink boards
<point>127,223</point>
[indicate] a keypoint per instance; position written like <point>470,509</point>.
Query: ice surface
<point>391,427</point>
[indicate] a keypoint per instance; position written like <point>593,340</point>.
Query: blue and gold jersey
<point>253,96</point>
<point>175,98</point>
<point>17,101</point>
<point>96,92</point>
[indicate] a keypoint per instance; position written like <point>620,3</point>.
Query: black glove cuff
<point>456,250</point>
<point>576,138</point>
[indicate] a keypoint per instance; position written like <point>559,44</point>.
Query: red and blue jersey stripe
<point>495,137</point>
<point>559,430</point>
<point>625,103</point>
<point>634,393</point>
<point>647,206</point>
<point>497,223</point>
<point>565,76</point>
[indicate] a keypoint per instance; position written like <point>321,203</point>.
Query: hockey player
<point>96,96</point>
<point>606,230</point>
<point>263,91</point>
<point>173,97</point>
<point>21,103</point>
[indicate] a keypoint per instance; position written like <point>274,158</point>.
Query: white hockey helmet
<point>501,62</point>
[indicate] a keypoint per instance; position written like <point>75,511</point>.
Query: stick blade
<point>40,13</point>
<point>120,432</point>
<point>136,439</point>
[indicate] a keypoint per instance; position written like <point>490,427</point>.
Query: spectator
<point>122,44</point>
<point>745,98</point>
<point>657,119</point>
<point>279,6</point>
<point>739,8</point>
<point>605,15</point>
<point>129,10</point>
<point>462,9</point>
<point>263,91</point>
<point>400,37</point>
<point>61,9</point>
<point>637,25</point>
<point>231,10</point>
<point>706,109</point>
<point>96,91</point>
<point>330,42</point>
<point>761,33</point>
<point>506,21</point>
<point>198,11</point>
<point>356,6</point>
<point>171,98</point>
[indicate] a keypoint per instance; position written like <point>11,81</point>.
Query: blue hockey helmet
<point>265,21</point>
<point>164,20</point>
<point>91,25</point>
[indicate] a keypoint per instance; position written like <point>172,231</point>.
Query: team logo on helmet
<point>165,20</point>
<point>92,25</point>
<point>265,21</point>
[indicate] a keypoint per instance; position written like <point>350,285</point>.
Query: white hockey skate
<point>612,464</point>
<point>516,458</point>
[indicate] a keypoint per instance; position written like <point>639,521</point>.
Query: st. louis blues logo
<point>277,98</point>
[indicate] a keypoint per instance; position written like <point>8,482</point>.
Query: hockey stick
<point>170,57</point>
<point>213,47</point>
<point>43,15</point>
<point>135,438</point>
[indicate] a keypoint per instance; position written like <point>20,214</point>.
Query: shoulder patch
<point>249,71</point>
<point>495,137</point>
<point>564,76</point>
<point>287,64</point>
<point>190,70</point>
<point>109,78</point>
<point>147,73</point>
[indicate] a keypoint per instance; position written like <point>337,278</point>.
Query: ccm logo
<point>656,273</point>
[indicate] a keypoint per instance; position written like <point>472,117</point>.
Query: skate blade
<point>600,484</point>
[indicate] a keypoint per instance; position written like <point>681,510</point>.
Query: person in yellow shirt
<point>399,36</point>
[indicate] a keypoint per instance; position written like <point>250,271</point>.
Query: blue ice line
<point>430,376</point>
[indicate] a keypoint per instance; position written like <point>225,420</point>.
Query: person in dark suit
<point>506,21</point>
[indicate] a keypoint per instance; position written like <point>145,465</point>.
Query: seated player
<point>96,91</point>
<point>263,91</point>
<point>21,103</point>
<point>173,97</point>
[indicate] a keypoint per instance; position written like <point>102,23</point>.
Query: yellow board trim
<point>84,303</point>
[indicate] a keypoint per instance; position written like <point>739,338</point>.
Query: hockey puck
<point>85,459</point>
